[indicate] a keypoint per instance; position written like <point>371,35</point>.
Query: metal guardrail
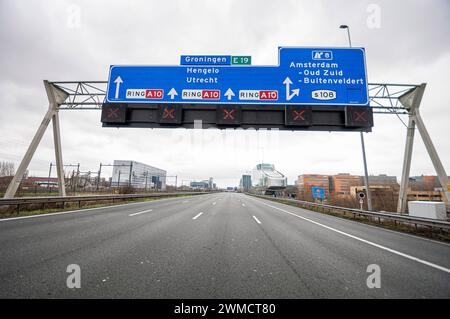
<point>416,221</point>
<point>22,201</point>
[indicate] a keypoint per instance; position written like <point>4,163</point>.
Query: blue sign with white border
<point>303,76</point>
<point>318,192</point>
<point>205,60</point>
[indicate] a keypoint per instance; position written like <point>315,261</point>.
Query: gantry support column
<point>56,97</point>
<point>404,183</point>
<point>411,100</point>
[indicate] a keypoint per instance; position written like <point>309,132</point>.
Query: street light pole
<point>366,175</point>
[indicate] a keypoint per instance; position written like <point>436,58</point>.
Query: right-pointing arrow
<point>287,82</point>
<point>229,93</point>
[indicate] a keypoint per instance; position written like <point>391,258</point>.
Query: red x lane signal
<point>360,116</point>
<point>298,115</point>
<point>228,114</point>
<point>168,113</point>
<point>357,116</point>
<point>114,113</point>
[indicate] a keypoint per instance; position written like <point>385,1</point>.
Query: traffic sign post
<point>303,76</point>
<point>361,196</point>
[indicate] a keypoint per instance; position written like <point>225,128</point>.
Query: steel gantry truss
<point>90,95</point>
<point>397,99</point>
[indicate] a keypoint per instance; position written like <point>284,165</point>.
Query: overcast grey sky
<point>78,40</point>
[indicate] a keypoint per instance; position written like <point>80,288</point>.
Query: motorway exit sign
<point>303,76</point>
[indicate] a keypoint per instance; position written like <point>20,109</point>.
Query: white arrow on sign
<point>287,81</point>
<point>229,93</point>
<point>118,81</point>
<point>172,93</point>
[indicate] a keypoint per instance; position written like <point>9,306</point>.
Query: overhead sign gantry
<point>310,89</point>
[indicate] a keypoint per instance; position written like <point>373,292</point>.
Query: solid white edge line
<point>427,263</point>
<point>88,209</point>
<point>256,219</point>
<point>197,216</point>
<point>143,212</point>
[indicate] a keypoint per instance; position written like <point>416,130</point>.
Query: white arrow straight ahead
<point>172,93</point>
<point>287,81</point>
<point>118,81</point>
<point>229,93</point>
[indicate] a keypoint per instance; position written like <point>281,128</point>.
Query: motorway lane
<point>335,264</point>
<point>36,249</point>
<point>223,254</point>
<point>66,229</point>
<point>421,247</point>
<point>236,247</point>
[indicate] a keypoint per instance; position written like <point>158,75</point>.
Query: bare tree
<point>6,168</point>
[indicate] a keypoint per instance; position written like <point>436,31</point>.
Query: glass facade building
<point>246,182</point>
<point>138,175</point>
<point>265,175</point>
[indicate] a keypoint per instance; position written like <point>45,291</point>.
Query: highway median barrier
<point>24,206</point>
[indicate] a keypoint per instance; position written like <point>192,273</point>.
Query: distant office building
<point>210,183</point>
<point>265,175</point>
<point>246,182</point>
<point>305,183</point>
<point>375,190</point>
<point>382,180</point>
<point>138,175</point>
<point>425,183</point>
<point>340,184</point>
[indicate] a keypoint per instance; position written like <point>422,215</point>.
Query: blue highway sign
<point>318,192</point>
<point>205,60</point>
<point>303,76</point>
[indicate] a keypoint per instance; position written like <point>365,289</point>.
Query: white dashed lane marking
<point>197,216</point>
<point>256,219</point>
<point>143,212</point>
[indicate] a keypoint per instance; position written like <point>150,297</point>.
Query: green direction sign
<point>243,60</point>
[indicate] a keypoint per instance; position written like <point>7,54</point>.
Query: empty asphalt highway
<point>223,245</point>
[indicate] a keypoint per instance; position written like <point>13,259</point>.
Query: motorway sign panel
<point>303,76</point>
<point>205,60</point>
<point>318,192</point>
<point>215,60</point>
